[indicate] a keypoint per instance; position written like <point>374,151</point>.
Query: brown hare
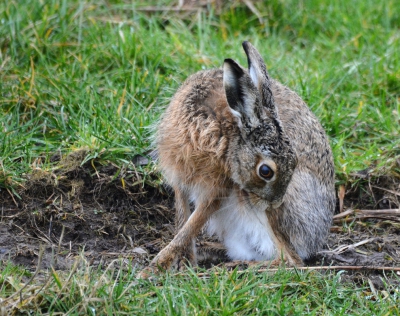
<point>255,162</point>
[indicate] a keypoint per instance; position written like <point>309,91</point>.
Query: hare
<point>255,162</point>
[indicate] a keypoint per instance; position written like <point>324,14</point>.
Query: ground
<point>110,213</point>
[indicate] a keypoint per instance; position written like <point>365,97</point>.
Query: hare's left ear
<point>259,75</point>
<point>240,92</point>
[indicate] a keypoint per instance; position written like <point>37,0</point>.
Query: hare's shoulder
<point>204,79</point>
<point>195,131</point>
<point>200,89</point>
<point>200,106</point>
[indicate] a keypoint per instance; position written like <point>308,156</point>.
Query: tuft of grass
<point>114,289</point>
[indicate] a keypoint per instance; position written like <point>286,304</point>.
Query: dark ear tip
<point>233,66</point>
<point>246,45</point>
<point>231,63</point>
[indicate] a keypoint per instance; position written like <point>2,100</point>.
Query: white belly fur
<point>244,230</point>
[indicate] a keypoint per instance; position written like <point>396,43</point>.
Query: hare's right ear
<point>240,91</point>
<point>259,75</point>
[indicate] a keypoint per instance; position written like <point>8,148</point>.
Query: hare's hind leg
<point>210,252</point>
<point>171,255</point>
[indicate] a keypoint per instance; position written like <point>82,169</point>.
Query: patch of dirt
<point>367,240</point>
<point>105,211</point>
<point>111,213</point>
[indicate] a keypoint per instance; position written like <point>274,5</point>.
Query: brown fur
<point>219,126</point>
<point>193,141</point>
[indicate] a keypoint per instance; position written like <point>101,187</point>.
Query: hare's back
<point>305,132</point>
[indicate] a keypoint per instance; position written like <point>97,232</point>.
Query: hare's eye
<point>266,172</point>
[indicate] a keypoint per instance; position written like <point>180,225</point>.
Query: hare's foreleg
<point>171,255</point>
<point>285,252</point>
<point>286,255</point>
<point>182,209</point>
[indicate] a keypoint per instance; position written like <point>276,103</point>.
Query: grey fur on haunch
<point>255,162</point>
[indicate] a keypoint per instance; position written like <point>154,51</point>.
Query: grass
<point>114,290</point>
<point>96,75</point>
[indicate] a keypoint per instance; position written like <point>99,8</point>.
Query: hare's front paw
<point>276,263</point>
<point>169,258</point>
<point>240,264</point>
<point>287,261</point>
<point>245,264</point>
<point>146,273</point>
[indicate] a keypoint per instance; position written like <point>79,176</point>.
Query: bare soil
<point>106,213</point>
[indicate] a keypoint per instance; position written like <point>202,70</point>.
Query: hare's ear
<point>259,75</point>
<point>240,91</point>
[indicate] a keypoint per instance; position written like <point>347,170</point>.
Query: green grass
<point>114,290</point>
<point>97,74</point>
